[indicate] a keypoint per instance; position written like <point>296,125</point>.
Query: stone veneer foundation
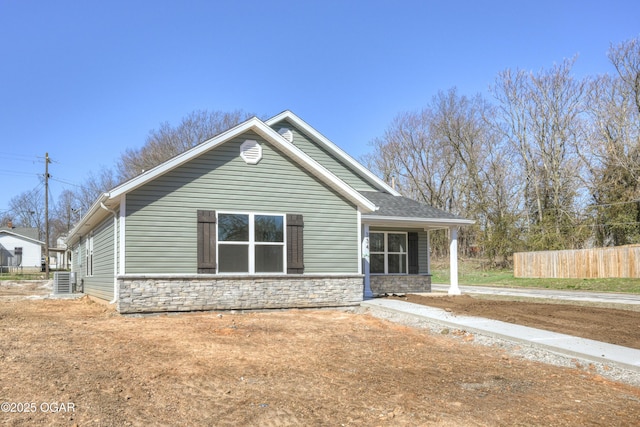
<point>400,284</point>
<point>166,293</point>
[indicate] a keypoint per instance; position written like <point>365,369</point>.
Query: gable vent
<point>286,134</point>
<point>251,152</point>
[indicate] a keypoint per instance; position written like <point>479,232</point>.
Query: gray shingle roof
<point>403,207</point>
<point>29,232</point>
<point>23,232</point>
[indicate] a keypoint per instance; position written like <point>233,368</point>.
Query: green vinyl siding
<point>423,268</point>
<point>161,215</point>
<point>100,284</point>
<point>326,159</point>
<point>77,260</point>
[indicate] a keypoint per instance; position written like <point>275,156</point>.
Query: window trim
<point>386,252</point>
<point>252,243</point>
<point>89,255</point>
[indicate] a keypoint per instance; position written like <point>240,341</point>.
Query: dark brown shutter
<point>412,249</point>
<point>295,250</point>
<point>207,242</point>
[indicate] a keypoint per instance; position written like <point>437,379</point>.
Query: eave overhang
<point>413,222</point>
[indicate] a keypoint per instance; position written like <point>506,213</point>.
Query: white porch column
<point>429,251</point>
<point>365,261</point>
<point>453,261</point>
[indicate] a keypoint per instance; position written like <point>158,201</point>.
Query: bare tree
<point>540,114</point>
<point>450,156</point>
<point>625,57</point>
<point>169,141</point>
<point>422,166</point>
<point>95,184</point>
<point>613,148</point>
<point>27,210</point>
<point>411,154</point>
<point>65,214</point>
<point>487,173</point>
<point>528,167</point>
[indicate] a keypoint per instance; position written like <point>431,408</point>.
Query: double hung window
<point>250,243</point>
<point>388,252</point>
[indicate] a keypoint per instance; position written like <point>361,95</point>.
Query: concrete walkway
<point>606,297</point>
<point>581,348</point>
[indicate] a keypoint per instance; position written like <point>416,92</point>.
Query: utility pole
<point>46,214</point>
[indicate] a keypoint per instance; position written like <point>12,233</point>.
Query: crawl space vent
<point>286,134</point>
<point>251,152</point>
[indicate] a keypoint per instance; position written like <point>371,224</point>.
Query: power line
<point>614,203</point>
<point>65,182</point>
<point>21,157</point>
<point>32,192</point>
<point>18,172</point>
<point>609,224</point>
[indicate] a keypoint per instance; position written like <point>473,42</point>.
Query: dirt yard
<point>621,327</point>
<point>76,362</point>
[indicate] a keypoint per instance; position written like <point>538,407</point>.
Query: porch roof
<point>403,211</point>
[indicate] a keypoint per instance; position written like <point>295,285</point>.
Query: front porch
<point>396,245</point>
<point>396,260</point>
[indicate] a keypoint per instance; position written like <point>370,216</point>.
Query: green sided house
<point>269,214</point>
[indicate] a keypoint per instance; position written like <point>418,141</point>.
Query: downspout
<point>115,252</point>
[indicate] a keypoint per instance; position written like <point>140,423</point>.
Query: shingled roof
<point>404,207</point>
<point>23,232</point>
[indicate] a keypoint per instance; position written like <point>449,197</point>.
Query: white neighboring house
<point>60,257</point>
<point>20,248</point>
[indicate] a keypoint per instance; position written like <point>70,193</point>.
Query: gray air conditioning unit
<point>63,282</point>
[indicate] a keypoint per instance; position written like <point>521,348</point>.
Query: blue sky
<point>84,80</point>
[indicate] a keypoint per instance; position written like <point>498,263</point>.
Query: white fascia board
<point>315,168</point>
<point>182,158</point>
<point>268,133</point>
<point>340,153</point>
<point>427,223</point>
<point>87,221</point>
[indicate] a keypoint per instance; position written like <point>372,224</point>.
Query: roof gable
<point>255,125</point>
<point>344,158</point>
<point>20,236</point>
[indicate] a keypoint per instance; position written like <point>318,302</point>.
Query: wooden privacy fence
<point>618,261</point>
